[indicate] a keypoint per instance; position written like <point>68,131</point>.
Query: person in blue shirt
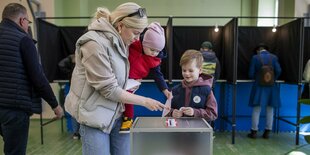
<point>266,96</point>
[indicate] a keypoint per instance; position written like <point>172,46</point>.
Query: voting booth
<point>171,136</point>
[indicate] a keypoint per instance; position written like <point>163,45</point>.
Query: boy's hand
<point>187,111</point>
<point>177,113</point>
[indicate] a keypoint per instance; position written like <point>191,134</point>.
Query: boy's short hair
<point>190,55</point>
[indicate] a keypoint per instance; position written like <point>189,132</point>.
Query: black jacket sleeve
<point>159,78</point>
<point>35,72</point>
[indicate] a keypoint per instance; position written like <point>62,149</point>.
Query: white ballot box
<point>169,136</point>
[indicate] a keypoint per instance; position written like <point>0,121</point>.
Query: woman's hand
<point>154,105</point>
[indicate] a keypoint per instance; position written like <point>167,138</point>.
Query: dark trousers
<point>14,127</point>
<point>305,93</point>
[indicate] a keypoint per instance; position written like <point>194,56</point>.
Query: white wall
<point>46,5</point>
<point>301,7</point>
<point>266,8</point>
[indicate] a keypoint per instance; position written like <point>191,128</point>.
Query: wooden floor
<point>58,143</point>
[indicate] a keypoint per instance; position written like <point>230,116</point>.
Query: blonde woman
<point>99,78</point>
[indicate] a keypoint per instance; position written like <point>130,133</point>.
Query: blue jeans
<point>72,125</point>
<point>14,127</point>
<point>75,125</point>
<point>256,114</point>
<point>96,142</point>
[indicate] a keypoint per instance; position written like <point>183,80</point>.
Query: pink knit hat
<point>154,37</point>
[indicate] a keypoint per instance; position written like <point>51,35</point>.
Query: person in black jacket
<point>211,65</point>
<point>306,76</point>
<point>22,81</point>
<point>66,66</point>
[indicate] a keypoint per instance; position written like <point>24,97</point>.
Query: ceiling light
<point>274,29</point>
<point>216,29</point>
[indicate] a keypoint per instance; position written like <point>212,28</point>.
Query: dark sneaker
<point>266,134</point>
<point>126,125</point>
<point>76,136</point>
<point>253,134</point>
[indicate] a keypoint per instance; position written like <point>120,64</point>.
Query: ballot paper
<point>171,122</point>
<point>168,104</point>
<point>131,83</point>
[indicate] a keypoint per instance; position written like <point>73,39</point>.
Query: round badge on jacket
<point>197,99</point>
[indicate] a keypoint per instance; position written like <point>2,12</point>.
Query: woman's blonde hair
<point>120,15</point>
<point>191,55</point>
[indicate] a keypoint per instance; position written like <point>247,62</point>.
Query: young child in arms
<point>145,57</point>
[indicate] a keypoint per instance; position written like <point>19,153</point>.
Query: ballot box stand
<point>169,136</point>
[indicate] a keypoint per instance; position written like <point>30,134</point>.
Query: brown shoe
<point>266,134</point>
<point>253,134</point>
